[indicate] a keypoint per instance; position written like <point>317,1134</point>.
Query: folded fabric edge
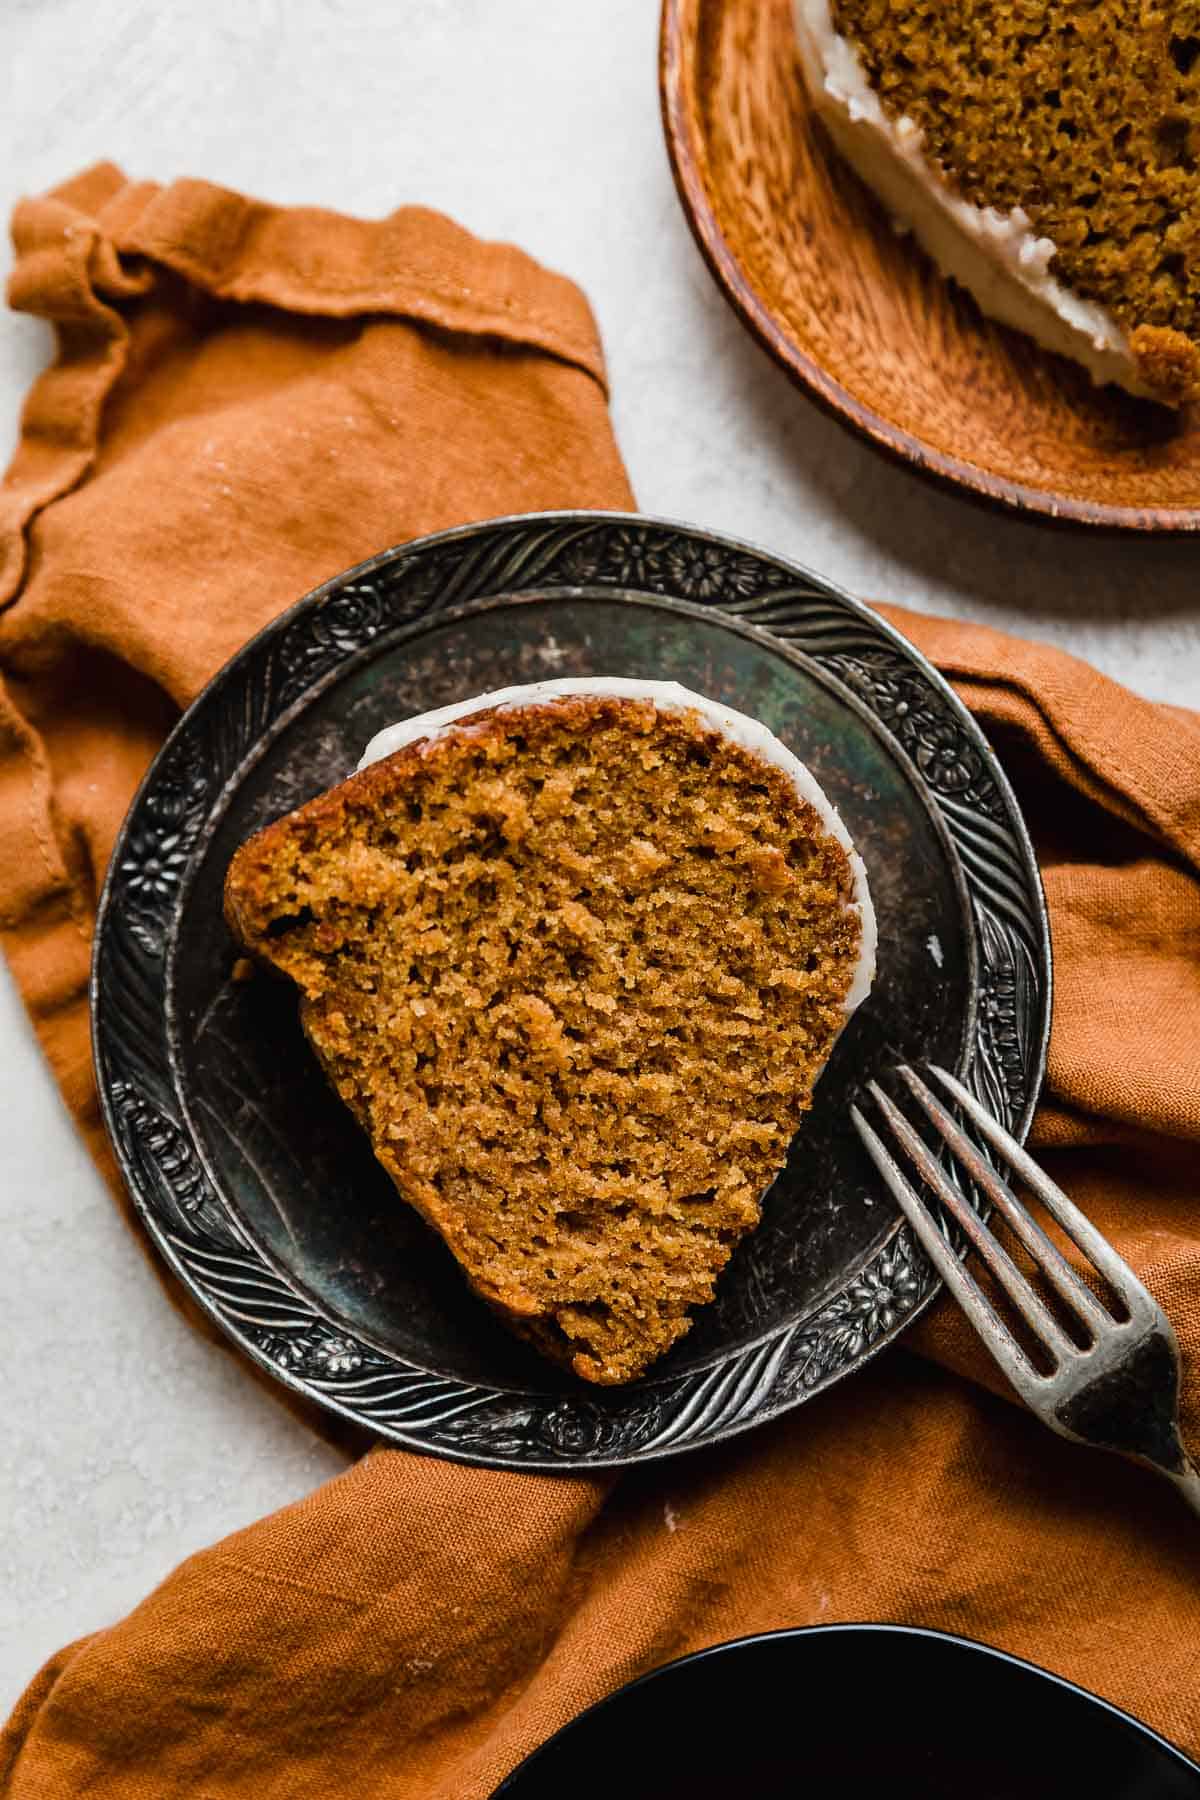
<point>414,263</point>
<point>1144,769</point>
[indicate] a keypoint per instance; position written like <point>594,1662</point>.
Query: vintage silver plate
<point>260,1191</point>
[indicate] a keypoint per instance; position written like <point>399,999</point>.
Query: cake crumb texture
<point>575,969</point>
<point>1085,115</point>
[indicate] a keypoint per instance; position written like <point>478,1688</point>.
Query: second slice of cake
<point>1044,154</point>
<point>574,955</point>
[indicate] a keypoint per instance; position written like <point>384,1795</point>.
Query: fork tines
<point>1045,1253</point>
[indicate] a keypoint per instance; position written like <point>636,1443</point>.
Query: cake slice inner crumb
<point>575,970</point>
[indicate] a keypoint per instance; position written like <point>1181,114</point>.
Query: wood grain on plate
<point>859,316</point>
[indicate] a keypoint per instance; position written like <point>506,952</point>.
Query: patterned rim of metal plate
<point>651,583</point>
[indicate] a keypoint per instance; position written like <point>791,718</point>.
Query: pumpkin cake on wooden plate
<point>1044,154</point>
<point>574,955</point>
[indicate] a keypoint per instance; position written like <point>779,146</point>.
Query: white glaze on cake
<point>995,255</point>
<point>738,727</point>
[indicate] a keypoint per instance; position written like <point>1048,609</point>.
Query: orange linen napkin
<point>245,401</point>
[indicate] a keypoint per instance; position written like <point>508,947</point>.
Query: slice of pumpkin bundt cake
<point>574,955</point>
<point>1043,152</point>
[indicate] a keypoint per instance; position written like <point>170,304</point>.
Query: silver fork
<point>1119,1393</point>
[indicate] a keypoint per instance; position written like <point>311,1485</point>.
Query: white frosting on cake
<point>738,727</point>
<point>997,256</point>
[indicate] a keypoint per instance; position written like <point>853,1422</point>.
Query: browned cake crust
<point>575,969</point>
<point>1088,117</point>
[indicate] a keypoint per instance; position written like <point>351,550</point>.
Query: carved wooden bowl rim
<point>680,25</point>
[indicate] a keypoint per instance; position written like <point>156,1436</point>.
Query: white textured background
<point>128,1442</point>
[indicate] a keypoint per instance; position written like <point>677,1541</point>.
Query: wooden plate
<point>860,318</point>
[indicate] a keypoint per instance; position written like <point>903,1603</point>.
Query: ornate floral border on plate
<point>195,1226</point>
